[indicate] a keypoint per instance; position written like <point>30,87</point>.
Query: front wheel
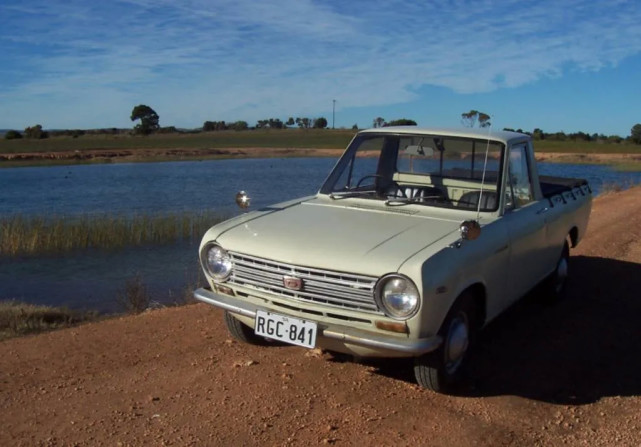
<point>241,332</point>
<point>442,370</point>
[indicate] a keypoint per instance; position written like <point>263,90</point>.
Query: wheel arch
<point>478,294</point>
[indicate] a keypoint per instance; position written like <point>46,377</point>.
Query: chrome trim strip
<point>299,268</point>
<point>345,334</point>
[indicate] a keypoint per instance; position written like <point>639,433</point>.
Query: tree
<point>239,125</point>
<point>12,135</point>
<point>148,119</point>
<point>290,121</point>
<point>635,133</point>
<point>538,134</point>
<point>209,126</point>
<point>401,122</point>
<point>275,123</point>
<point>272,123</point>
<point>304,123</point>
<point>355,127</point>
<point>472,117</point>
<point>35,132</point>
<point>379,122</point>
<point>320,123</point>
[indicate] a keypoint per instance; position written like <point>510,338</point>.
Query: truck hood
<point>371,241</point>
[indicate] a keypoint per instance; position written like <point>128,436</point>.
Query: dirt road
<point>545,374</point>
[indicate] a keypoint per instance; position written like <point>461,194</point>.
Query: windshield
<point>423,169</point>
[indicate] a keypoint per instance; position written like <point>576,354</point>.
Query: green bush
<point>12,135</point>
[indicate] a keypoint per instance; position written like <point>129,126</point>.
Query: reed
<point>17,319</point>
<point>25,235</point>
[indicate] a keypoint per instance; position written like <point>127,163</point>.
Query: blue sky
<point>571,65</point>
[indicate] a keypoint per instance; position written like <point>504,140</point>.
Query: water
<point>137,188</point>
<point>92,280</point>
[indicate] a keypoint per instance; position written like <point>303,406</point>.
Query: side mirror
<point>243,200</point>
<point>470,230</point>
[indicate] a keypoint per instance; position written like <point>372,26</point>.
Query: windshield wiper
<point>410,200</point>
<point>348,194</point>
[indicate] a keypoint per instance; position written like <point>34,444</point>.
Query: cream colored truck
<point>416,240</point>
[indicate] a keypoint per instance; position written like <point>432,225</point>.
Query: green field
<point>309,138</point>
<point>271,138</point>
<point>586,147</point>
<point>204,145</point>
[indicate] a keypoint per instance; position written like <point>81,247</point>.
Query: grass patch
<point>21,235</point>
<point>628,166</point>
<point>585,147</point>
<point>18,319</point>
<point>134,298</point>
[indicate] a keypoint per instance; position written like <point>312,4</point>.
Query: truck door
<point>525,224</point>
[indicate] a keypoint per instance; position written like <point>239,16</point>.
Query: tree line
<point>148,122</point>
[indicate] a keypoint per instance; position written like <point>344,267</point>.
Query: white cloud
<point>238,59</point>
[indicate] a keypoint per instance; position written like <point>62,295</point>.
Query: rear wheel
<point>241,332</point>
<point>442,370</point>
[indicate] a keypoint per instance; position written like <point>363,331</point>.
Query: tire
<point>555,284</point>
<point>241,332</point>
<point>442,370</point>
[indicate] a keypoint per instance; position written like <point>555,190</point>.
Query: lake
<point>93,279</point>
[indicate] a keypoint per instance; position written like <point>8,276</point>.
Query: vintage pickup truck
<point>416,240</point>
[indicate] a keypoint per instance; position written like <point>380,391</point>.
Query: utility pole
<point>333,112</point>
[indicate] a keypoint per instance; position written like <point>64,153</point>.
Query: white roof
<point>465,132</point>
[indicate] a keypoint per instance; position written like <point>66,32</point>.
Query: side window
<point>519,187</point>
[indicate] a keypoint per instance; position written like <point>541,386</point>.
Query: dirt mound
<point>545,375</point>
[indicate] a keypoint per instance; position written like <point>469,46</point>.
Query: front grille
<point>335,289</point>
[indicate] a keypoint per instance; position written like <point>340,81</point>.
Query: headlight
<point>217,262</point>
<point>398,296</point>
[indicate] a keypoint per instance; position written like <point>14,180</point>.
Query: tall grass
<point>21,235</point>
<point>18,318</point>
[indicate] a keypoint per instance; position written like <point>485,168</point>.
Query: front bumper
<point>401,347</point>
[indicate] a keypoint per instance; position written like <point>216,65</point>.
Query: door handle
<point>499,250</point>
<point>543,210</point>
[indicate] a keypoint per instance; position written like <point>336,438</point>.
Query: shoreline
<point>626,160</point>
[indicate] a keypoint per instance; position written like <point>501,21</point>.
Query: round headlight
<point>398,296</point>
<point>217,262</point>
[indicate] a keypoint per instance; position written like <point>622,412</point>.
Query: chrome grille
<point>335,289</point>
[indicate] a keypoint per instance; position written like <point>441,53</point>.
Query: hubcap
<point>458,339</point>
<point>561,274</point>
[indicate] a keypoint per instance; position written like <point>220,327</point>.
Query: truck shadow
<point>577,351</point>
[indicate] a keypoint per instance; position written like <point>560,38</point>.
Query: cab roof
<point>479,134</point>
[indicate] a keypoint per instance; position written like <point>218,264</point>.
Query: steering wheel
<point>394,184</point>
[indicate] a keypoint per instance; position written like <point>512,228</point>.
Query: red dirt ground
<point>545,375</point>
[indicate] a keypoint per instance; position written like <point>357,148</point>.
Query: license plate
<point>286,329</point>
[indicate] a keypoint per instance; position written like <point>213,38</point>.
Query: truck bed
<point>551,186</point>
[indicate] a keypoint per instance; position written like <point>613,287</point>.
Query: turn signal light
<point>392,326</point>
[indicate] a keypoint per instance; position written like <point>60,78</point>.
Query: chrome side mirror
<point>243,200</point>
<point>470,230</point>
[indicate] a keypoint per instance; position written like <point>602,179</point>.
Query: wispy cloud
<point>78,63</point>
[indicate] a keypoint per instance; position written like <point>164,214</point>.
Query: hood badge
<point>293,283</point>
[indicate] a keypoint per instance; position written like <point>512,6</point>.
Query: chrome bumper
<point>342,333</point>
